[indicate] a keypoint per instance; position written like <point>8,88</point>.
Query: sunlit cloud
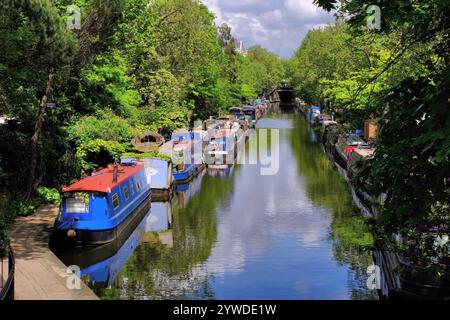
<point>278,26</point>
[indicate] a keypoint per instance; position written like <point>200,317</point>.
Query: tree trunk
<point>35,138</point>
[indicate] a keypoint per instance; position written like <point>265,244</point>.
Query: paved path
<point>40,275</point>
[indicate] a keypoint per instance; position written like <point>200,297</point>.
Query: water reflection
<point>186,191</point>
<point>223,172</point>
<point>236,234</point>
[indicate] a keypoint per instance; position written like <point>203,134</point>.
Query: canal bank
<point>237,234</point>
<point>40,274</point>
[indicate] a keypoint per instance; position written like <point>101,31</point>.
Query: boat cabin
<point>94,208</point>
<point>346,144</point>
<point>252,112</point>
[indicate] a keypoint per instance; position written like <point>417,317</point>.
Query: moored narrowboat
<point>222,148</point>
<point>237,112</point>
<point>187,155</point>
<point>252,112</point>
<point>240,115</point>
<point>344,147</point>
<point>313,115</point>
<point>96,209</point>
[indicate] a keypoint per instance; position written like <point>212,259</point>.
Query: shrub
<point>154,154</point>
<point>25,208</point>
<point>47,195</point>
<point>99,153</point>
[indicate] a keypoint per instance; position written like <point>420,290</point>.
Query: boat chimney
<point>115,173</point>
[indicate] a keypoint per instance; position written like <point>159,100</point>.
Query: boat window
<point>138,185</point>
<point>78,203</point>
<point>125,191</point>
<point>115,200</point>
<point>132,187</point>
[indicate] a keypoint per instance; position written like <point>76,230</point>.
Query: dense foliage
<point>400,76</point>
<point>71,99</point>
<point>74,99</point>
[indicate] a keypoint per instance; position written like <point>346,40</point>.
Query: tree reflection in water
<point>236,235</point>
<point>349,234</point>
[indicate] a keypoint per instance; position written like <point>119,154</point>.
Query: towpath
<point>40,275</point>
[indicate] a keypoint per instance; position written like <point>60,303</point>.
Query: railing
<point>7,285</point>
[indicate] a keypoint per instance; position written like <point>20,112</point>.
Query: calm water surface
<point>235,234</point>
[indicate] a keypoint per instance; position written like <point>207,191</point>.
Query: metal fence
<point>7,275</point>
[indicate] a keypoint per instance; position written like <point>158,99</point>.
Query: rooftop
<point>102,181</point>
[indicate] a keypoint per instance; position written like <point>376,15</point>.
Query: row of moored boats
<point>400,277</point>
<point>97,208</point>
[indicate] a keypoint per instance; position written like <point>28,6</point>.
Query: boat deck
<point>40,275</point>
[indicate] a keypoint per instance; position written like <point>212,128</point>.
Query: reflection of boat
<point>186,191</point>
<point>160,218</point>
<point>96,209</point>
<point>100,265</point>
<point>221,171</point>
<point>158,224</point>
<point>149,142</point>
<point>104,273</point>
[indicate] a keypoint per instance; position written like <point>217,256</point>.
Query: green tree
<point>412,160</point>
<point>38,46</point>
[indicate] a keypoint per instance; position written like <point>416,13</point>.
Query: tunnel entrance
<point>286,95</point>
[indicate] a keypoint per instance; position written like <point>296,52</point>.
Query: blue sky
<point>278,25</point>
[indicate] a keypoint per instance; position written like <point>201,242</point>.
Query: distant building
<point>241,49</point>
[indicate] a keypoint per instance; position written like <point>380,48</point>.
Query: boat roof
<point>222,133</point>
<point>248,108</point>
<point>186,136</point>
<point>364,152</point>
<point>102,181</point>
<point>353,140</point>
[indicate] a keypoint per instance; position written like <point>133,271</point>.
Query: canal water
<point>236,234</point>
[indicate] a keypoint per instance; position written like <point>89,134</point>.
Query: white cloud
<point>279,26</point>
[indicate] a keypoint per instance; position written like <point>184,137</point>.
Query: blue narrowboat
<point>96,209</point>
<point>187,154</point>
<point>101,265</point>
<point>314,115</point>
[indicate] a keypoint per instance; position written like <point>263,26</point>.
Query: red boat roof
<point>102,181</point>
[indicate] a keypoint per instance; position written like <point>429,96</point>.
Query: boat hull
<point>188,174</point>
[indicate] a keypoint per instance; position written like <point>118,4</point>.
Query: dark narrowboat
<point>344,147</point>
<point>252,112</point>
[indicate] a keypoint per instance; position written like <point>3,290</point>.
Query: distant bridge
<point>283,94</point>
